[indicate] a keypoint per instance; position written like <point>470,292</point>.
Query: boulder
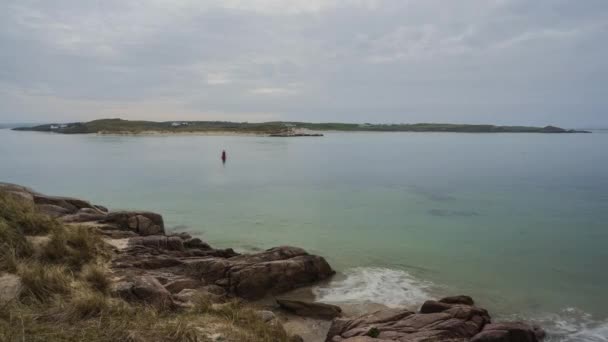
<point>510,332</point>
<point>465,300</point>
<point>142,222</point>
<point>308,309</point>
<point>432,306</point>
<point>145,289</point>
<point>196,243</point>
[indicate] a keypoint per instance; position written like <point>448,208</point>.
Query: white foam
<point>573,325</point>
<point>390,287</point>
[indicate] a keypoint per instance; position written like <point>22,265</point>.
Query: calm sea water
<point>518,221</point>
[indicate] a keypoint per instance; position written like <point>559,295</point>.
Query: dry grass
<point>96,277</point>
<point>41,281</point>
<point>22,216</point>
<point>73,246</point>
<point>65,295</point>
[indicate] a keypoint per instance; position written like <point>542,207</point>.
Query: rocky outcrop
<point>253,276</point>
<point>141,222</point>
<point>449,319</point>
<point>307,309</point>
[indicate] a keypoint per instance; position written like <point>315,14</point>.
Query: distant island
<point>274,128</point>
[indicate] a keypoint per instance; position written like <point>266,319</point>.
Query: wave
<point>398,288</point>
<point>390,287</point>
<point>569,325</point>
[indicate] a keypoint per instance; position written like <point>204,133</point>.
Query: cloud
<point>498,61</point>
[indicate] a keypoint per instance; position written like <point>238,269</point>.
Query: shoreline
<point>169,266</point>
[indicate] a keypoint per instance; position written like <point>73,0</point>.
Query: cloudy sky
<point>463,61</point>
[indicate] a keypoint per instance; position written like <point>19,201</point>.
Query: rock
<point>69,203</point>
<point>178,285</point>
<point>84,215</point>
<point>510,332</point>
<point>464,300</point>
<point>432,306</point>
<point>181,235</point>
<point>196,243</point>
<point>101,208</point>
<point>141,222</point>
<point>214,289</point>
<point>159,242</point>
<point>252,276</point>
<point>145,289</point>
<point>10,287</point>
<point>317,310</point>
<point>53,210</point>
<point>296,338</point>
<point>151,291</point>
<point>265,315</point>
<point>187,295</point>
<point>436,321</point>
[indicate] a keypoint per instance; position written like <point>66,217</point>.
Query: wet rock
<point>465,300</point>
<point>196,243</point>
<point>308,309</point>
<point>510,332</point>
<point>432,306</point>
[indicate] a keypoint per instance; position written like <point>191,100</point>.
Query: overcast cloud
<point>469,61</point>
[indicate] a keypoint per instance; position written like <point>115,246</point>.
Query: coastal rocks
<point>510,332</point>
<point>172,243</point>
<point>85,215</point>
<point>307,309</point>
<point>449,319</point>
<point>142,222</point>
<point>252,276</point>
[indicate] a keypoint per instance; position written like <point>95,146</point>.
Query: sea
<point>519,221</point>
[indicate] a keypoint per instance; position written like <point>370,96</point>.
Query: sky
<point>529,62</point>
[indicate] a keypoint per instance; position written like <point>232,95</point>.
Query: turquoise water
<point>518,221</point>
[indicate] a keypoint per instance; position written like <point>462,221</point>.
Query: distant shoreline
<point>275,128</point>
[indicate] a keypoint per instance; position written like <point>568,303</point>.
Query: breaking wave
<point>390,287</point>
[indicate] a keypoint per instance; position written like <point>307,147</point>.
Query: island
<point>273,128</point>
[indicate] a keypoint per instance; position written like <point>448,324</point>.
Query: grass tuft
<point>22,216</point>
<point>96,277</point>
<point>42,281</point>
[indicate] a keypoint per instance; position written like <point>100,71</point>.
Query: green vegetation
<point>119,126</point>
<point>65,292</point>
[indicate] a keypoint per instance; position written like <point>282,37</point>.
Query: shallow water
<point>516,220</point>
